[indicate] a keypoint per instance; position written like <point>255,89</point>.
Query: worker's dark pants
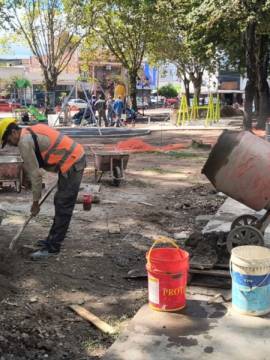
<point>102,115</point>
<point>64,202</point>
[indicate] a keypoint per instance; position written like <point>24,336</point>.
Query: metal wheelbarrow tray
<point>11,170</point>
<point>114,162</point>
<point>239,166</point>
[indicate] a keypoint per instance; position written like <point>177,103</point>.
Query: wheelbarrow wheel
<point>117,176</point>
<point>242,220</point>
<point>244,235</point>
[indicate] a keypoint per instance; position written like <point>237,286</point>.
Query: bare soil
<point>162,194</point>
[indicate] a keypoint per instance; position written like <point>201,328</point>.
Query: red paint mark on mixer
<point>243,168</point>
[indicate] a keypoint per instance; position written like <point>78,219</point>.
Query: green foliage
<point>124,27</point>
<point>168,91</point>
<point>47,32</point>
<point>21,83</point>
<point>175,43</point>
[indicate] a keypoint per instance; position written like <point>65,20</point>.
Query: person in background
<point>43,147</point>
<point>110,111</point>
<point>100,107</point>
<point>118,108</point>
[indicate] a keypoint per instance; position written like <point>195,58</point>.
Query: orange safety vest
<point>62,152</point>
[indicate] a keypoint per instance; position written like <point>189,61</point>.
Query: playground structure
<point>33,114</point>
<point>63,115</point>
<point>187,114</point>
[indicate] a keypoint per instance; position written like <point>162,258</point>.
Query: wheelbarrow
<point>114,162</point>
<point>11,170</point>
<point>239,166</point>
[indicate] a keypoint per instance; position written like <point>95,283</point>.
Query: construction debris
<point>93,319</point>
<point>114,228</point>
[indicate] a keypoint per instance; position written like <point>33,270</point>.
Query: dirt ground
<point>162,195</point>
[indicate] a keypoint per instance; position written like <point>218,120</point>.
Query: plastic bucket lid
<point>251,256</point>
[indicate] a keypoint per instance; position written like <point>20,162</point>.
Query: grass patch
<point>139,183</point>
<point>183,154</point>
<point>178,154</point>
<point>101,341</point>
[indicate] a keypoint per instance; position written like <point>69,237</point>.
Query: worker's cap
<point>4,125</point>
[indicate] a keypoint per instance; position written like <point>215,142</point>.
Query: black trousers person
<point>64,202</point>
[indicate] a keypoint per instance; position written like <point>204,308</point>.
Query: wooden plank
<point>93,319</point>
<point>210,282</point>
<point>109,202</point>
<point>212,272</point>
<point>145,203</point>
<point>222,266</point>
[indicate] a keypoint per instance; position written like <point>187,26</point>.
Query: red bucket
<point>167,276</point>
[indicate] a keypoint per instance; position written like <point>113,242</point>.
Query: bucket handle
<point>252,288</point>
<point>161,240</point>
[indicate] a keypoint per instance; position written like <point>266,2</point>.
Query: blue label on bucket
<point>250,293</point>
<point>251,280</point>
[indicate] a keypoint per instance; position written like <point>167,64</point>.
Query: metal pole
<point>143,98</point>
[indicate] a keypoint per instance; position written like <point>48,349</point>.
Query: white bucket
<point>250,272</point>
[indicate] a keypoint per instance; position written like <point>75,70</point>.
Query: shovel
<point>16,237</point>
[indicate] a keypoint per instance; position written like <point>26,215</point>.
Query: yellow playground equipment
<point>183,113</point>
<point>186,114</point>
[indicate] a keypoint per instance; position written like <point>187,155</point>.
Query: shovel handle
<point>16,237</point>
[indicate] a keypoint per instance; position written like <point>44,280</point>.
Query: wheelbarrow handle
<point>16,237</point>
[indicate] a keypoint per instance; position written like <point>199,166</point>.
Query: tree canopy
<point>240,31</point>
<point>125,27</point>
<point>49,32</point>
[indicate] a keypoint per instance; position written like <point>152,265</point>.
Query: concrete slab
<point>201,331</point>
<point>230,210</point>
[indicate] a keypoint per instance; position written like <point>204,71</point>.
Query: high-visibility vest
<point>63,152</point>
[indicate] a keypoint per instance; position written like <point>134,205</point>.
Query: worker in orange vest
<point>43,147</point>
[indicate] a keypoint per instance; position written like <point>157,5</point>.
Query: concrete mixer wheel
<point>242,220</point>
<point>244,235</point>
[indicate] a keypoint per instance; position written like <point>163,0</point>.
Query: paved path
<point>202,331</point>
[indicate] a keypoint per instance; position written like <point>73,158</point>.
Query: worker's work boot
<point>41,243</point>
<point>44,254</point>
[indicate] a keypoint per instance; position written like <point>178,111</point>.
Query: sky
<point>17,52</point>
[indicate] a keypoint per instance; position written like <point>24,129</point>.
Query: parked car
<point>142,103</point>
<point>78,103</point>
<point>9,105</point>
<point>157,100</point>
<point>171,101</point>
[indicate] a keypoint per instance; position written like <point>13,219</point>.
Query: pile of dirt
<point>229,111</point>
<point>39,332</point>
<point>138,145</point>
<point>207,250</point>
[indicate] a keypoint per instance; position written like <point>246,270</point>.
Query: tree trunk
<point>187,90</point>
<point>250,89</point>
<point>50,87</point>
<point>197,83</point>
<point>263,87</point>
<point>133,88</point>
<point>250,92</point>
<point>257,102</point>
